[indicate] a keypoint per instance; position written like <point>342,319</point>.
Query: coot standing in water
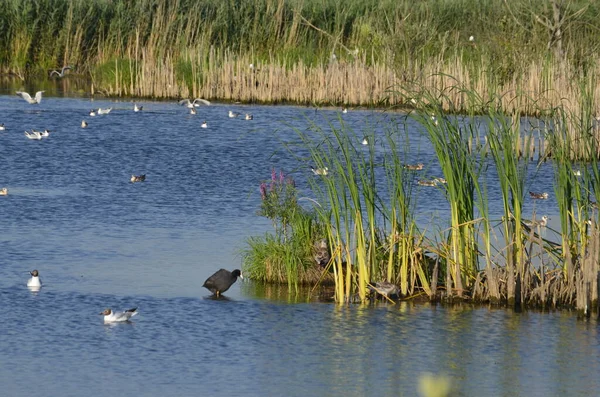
<point>222,280</point>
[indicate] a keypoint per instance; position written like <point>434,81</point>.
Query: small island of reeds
<point>359,226</point>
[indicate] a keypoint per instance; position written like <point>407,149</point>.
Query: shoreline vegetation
<point>498,59</point>
<point>358,232</point>
<point>357,53</point>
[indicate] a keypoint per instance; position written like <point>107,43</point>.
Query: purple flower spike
<point>263,190</point>
<point>291,182</point>
<point>273,175</point>
<point>281,177</point>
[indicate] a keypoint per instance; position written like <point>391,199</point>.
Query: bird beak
<point>241,276</point>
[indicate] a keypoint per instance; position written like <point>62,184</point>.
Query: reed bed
<point>309,52</point>
<point>365,208</point>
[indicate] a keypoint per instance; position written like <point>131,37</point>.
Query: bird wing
<point>25,96</point>
<point>185,102</point>
<point>203,101</point>
<point>38,96</point>
<point>54,72</point>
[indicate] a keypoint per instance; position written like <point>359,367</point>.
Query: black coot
<point>221,281</point>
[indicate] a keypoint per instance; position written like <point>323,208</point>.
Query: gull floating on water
<point>138,178</point>
<point>61,73</point>
<point>2,127</point>
<point>35,135</point>
<point>249,116</point>
<point>44,134</point>
<point>233,114</point>
<point>365,141</point>
<point>538,196</point>
<point>204,124</point>
<point>29,99</point>
<point>118,317</point>
<point>344,110</point>
<point>193,111</point>
<point>35,280</point>
<point>137,108</point>
<point>92,113</point>
<point>84,124</point>
<point>196,102</point>
<point>104,111</point>
<point>4,191</point>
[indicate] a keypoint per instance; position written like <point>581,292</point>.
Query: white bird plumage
<point>61,73</point>
<point>196,102</point>
<point>29,99</point>
<point>137,108</point>
<point>2,127</point>
<point>233,114</point>
<point>204,125</point>
<point>35,135</point>
<point>104,111</point>
<point>118,317</point>
<point>35,280</point>
<point>543,222</point>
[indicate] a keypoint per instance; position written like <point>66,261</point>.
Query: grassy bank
<point>322,52</point>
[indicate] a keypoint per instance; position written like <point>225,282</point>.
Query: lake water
<point>100,241</point>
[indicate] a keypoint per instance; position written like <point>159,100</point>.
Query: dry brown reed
<point>228,76</point>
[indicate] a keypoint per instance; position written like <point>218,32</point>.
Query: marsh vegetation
<point>311,52</point>
<point>364,208</point>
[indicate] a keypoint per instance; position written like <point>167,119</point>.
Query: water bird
<point>425,182</point>
<point>233,114</point>
<point>4,191</point>
<point>196,102</point>
<point>204,124</point>
<point>84,124</point>
<point>192,110</point>
<point>385,288</point>
<point>542,222</point>
<point>365,141</point>
<point>320,171</point>
<point>577,172</point>
<point>138,178</point>
<point>61,73</point>
<point>538,196</point>
<point>92,113</point>
<point>118,317</point>
<point>2,127</point>
<point>35,135</point>
<point>249,116</point>
<point>222,280</point>
<point>104,111</point>
<point>344,110</point>
<point>414,167</point>
<point>321,253</point>
<point>29,99</point>
<point>35,280</point>
<point>137,108</point>
<point>440,180</point>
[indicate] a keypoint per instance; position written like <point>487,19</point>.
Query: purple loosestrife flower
<point>263,191</point>
<point>281,177</point>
